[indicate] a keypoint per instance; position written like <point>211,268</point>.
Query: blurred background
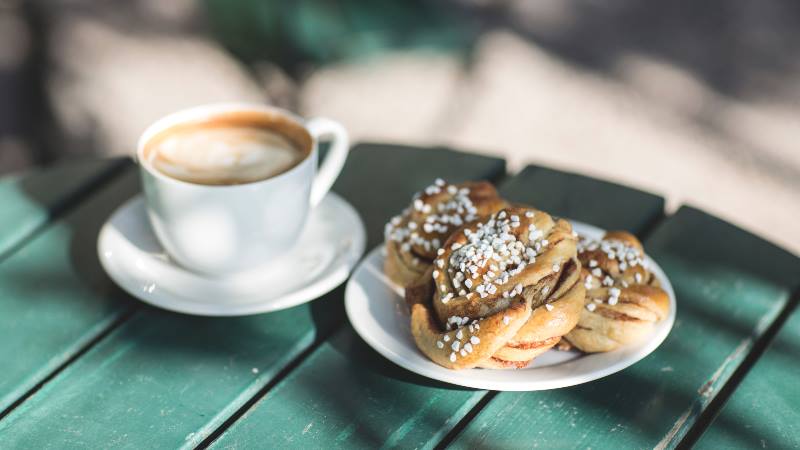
<point>695,101</point>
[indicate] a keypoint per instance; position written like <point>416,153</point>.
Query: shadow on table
<point>77,198</point>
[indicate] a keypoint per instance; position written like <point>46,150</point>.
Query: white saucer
<point>376,308</point>
<point>326,252</point>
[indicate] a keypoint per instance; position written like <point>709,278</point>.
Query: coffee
<point>227,150</point>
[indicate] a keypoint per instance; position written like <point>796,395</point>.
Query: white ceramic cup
<point>220,230</point>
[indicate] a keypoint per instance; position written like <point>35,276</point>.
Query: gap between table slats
<point>45,252</point>
<point>36,199</point>
<point>44,204</point>
<point>759,348</point>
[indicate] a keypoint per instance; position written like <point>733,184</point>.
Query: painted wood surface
<point>730,286</point>
<point>764,410</point>
<point>601,203</point>
<point>126,375</point>
<point>54,297</point>
<point>169,380</point>
<point>29,200</point>
<point>345,395</point>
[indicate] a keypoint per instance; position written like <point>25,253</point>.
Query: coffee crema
<point>235,148</point>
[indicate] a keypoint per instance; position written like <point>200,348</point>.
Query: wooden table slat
<point>730,286</point>
<point>601,203</point>
<point>764,410</point>
<point>348,396</point>
<point>31,199</point>
<point>169,380</point>
<point>54,297</point>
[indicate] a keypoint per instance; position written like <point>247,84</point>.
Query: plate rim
<point>439,373</point>
<point>182,304</point>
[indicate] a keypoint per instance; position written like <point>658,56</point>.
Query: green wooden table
<point>83,365</point>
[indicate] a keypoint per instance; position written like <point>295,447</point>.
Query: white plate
<point>323,257</point>
<point>376,308</point>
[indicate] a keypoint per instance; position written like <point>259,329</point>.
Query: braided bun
<point>414,236</point>
<point>623,298</point>
<point>502,290</point>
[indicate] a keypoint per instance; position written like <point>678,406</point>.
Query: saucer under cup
<point>329,247</point>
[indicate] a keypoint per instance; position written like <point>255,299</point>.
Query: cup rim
<point>209,110</point>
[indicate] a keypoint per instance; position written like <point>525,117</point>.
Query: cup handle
<point>321,127</point>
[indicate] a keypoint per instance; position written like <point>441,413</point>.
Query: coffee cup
<point>228,187</point>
